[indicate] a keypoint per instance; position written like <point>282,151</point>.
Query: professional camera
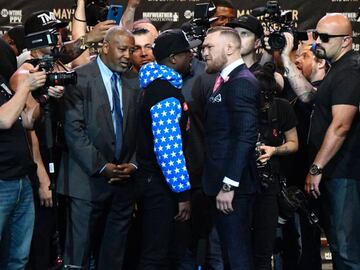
<point>264,169</point>
<point>47,63</point>
<point>292,199</point>
<point>47,38</point>
<point>277,22</point>
<point>197,27</point>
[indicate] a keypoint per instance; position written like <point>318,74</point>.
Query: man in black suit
<point>96,174</point>
<point>230,136</point>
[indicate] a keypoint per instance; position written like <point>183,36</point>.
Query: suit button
<point>112,143</point>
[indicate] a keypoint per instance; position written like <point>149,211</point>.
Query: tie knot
<point>218,82</point>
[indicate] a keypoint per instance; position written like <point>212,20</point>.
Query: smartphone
<point>114,13</point>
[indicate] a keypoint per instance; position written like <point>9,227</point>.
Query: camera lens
<point>277,41</point>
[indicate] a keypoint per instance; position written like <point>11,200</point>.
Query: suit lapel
<point>101,94</point>
<point>125,101</point>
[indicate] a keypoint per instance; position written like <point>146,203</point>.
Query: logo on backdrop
<point>14,15</point>
<point>162,16</point>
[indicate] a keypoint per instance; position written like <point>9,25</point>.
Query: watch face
<point>315,170</point>
<point>226,187</point>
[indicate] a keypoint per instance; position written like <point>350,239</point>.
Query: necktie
<point>118,115</point>
<point>218,82</point>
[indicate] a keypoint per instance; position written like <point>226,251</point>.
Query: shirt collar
<point>104,69</point>
<point>227,70</point>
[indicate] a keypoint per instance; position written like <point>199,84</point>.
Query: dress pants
<point>235,233</point>
<point>97,229</point>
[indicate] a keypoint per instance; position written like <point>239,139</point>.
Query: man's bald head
<point>338,23</point>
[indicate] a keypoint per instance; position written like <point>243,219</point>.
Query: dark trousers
<point>98,229</point>
<point>235,233</point>
<point>265,217</point>
<point>158,207</point>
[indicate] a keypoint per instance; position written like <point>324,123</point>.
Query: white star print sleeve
<point>168,143</point>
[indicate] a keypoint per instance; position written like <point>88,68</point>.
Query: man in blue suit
<point>231,133</point>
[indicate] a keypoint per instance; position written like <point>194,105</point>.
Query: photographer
<point>46,138</point>
<point>277,137</point>
<point>16,164</point>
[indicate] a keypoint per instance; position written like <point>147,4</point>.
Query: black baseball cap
<point>42,20</point>
<point>172,41</point>
<point>248,22</point>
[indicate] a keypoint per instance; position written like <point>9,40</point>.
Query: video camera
<point>277,22</point>
<point>47,63</point>
<point>197,27</point>
<point>292,199</point>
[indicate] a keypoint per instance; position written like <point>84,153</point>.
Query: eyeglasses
<point>325,37</point>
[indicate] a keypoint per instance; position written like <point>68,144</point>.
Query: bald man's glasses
<point>325,37</point>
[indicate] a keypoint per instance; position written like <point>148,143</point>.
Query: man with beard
<point>230,136</point>
<point>333,136</point>
<point>162,183</point>
<point>100,122</point>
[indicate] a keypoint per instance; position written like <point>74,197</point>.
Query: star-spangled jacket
<point>162,126</point>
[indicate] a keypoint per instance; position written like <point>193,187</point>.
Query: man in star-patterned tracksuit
<point>162,184</point>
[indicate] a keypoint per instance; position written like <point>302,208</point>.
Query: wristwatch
<point>83,43</point>
<point>227,188</point>
<point>315,170</point>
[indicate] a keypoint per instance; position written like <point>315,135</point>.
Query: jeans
<point>158,206</point>
<point>341,205</point>
<point>17,216</point>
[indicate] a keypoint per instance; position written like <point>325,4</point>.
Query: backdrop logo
<point>188,14</point>
<point>162,16</point>
<point>15,15</point>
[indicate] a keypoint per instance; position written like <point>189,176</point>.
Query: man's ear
<point>105,47</point>
<point>258,43</point>
<point>172,59</point>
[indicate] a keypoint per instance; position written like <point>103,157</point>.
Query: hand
<point>133,3</point>
<point>184,211</point>
<point>30,79</point>
<point>56,91</point>
<point>224,201</point>
<point>97,34</point>
<point>122,172</point>
<point>45,195</point>
<point>289,44</point>
<point>312,183</point>
<point>269,152</point>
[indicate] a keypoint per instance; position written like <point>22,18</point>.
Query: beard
<point>216,64</point>
<point>318,51</point>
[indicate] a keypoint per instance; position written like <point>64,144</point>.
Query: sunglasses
<point>325,37</point>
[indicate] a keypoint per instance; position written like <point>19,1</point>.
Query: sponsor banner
<point>173,13</point>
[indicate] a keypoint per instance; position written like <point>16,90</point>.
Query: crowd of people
<point>164,151</point>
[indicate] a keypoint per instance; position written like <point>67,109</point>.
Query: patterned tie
<point>118,115</point>
<point>219,81</point>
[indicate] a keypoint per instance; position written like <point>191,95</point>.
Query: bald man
<point>96,173</point>
<point>334,137</point>
<point>230,136</point>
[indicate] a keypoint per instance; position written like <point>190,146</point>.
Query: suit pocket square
<point>216,99</point>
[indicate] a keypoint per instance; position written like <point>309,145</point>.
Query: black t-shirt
<point>273,126</point>
<point>340,86</point>
<point>15,157</point>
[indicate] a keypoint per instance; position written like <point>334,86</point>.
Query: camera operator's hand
<point>97,34</point>
<point>184,211</point>
<point>224,201</point>
<point>122,172</point>
<point>30,79</point>
<point>56,91</point>
<point>289,44</point>
<point>268,152</point>
<point>312,183</point>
